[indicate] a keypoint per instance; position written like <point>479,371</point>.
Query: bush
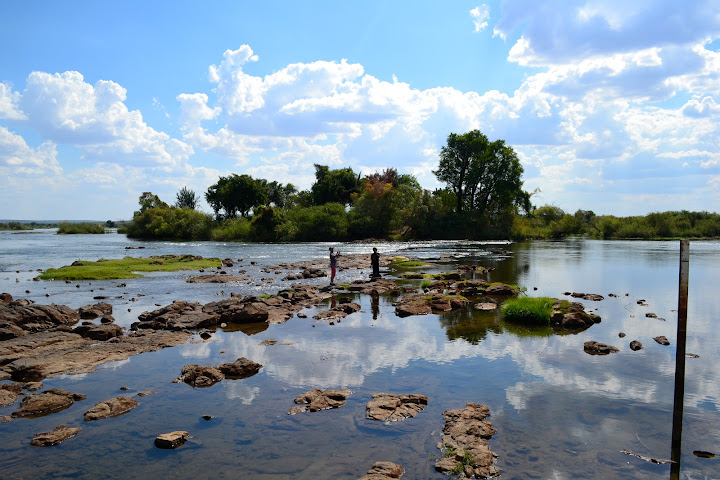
<point>328,222</point>
<point>170,223</point>
<point>528,310</point>
<point>66,228</point>
<point>232,230</point>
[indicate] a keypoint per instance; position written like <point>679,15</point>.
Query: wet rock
<point>179,315</point>
<point>110,408</point>
<point>5,418</point>
<point>94,311</point>
<point>47,402</point>
<point>218,278</point>
<point>9,393</point>
<point>34,318</point>
<point>171,440</point>
<point>464,444</point>
<point>240,368</point>
<point>650,315</point>
<point>227,262</point>
<point>412,305</point>
<point>145,393</point>
<point>588,296</point>
<point>200,375</point>
<point>5,298</point>
<point>338,312</point>
<point>662,340</point>
<point>500,289</point>
<point>486,306</point>
<point>33,386</point>
<point>704,454</point>
<point>621,334</point>
<point>388,407</point>
<point>572,318</point>
<point>55,437</point>
<point>100,332</point>
<point>107,319</point>
<point>635,345</point>
<point>596,348</point>
<point>207,418</point>
<point>316,400</point>
<point>384,471</point>
<point>268,342</point>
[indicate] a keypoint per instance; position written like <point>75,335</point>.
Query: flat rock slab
<point>588,296</point>
<point>9,393</point>
<point>338,312</point>
<point>56,353</point>
<point>486,306</point>
<point>96,310</point>
<point>47,402</point>
<point>388,407</point>
<point>110,408</point>
<point>200,375</point>
<point>54,437</point>
<point>596,348</point>
<point>171,440</point>
<point>464,443</point>
<point>217,278</point>
<point>384,471</point>
<point>316,400</point>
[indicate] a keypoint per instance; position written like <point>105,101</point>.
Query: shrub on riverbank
<point>528,310</point>
<point>170,223</point>
<point>67,228</point>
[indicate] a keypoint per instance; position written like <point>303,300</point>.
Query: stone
<point>316,400</point>
<point>240,368</point>
<point>55,437</point>
<point>171,440</point>
<point>218,278</point>
<point>8,396</point>
<point>588,296</point>
<point>110,408</point>
<point>662,340</point>
<point>384,471</point>
<point>388,407</point>
<point>200,376</point>
<point>486,306</point>
<point>94,311</point>
<point>102,332</point>
<point>635,345</point>
<point>35,318</point>
<point>500,289</point>
<point>47,402</point>
<point>596,348</point>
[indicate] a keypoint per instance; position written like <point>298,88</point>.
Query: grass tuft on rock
<point>126,267</point>
<point>528,310</point>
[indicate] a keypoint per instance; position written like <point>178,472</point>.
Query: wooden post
<point>680,359</point>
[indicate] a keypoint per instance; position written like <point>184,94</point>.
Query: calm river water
<point>559,412</point>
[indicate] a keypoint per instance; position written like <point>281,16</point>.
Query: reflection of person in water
<point>375,262</point>
<point>375,303</point>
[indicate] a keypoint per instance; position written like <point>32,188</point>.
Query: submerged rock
<point>384,471</point>
<point>388,407</point>
<point>596,348</point>
<point>240,368</point>
<point>316,400</point>
<point>55,437</point>
<point>464,443</point>
<point>171,440</point>
<point>588,296</point>
<point>110,408</point>
<point>47,402</point>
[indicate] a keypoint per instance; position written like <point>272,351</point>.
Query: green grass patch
<point>425,284</point>
<point>409,264</point>
<point>528,310</point>
<point>66,228</point>
<point>126,267</point>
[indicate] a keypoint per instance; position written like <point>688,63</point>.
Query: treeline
<point>549,222</point>
<point>72,228</point>
<point>25,225</point>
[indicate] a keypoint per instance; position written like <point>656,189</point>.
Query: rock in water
<point>384,471</point>
<point>171,440</point>
<point>240,368</point>
<point>596,348</point>
<point>44,403</point>
<point>55,437</point>
<point>316,400</point>
<point>110,408</point>
<point>388,407</point>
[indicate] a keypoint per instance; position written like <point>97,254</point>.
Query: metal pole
<point>680,359</point>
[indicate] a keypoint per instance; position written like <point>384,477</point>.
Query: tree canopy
<point>334,186</point>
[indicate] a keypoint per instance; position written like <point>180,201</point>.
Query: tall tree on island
<point>186,198</point>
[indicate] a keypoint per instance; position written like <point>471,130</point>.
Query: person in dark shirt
<point>375,262</point>
<point>333,265</point>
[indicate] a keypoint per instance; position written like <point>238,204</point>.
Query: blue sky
<point>611,106</point>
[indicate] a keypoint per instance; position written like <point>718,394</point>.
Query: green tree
<point>149,200</point>
<point>186,198</point>
<point>236,194</point>
<point>456,159</point>
<point>336,186</point>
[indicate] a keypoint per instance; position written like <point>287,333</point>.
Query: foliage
<point>149,200</point>
<point>236,194</point>
<point>125,268</point>
<point>186,199</point>
<point>15,226</point>
<point>67,228</point>
<point>528,310</point>
<point>326,222</point>
<point>171,223</point>
<point>334,186</point>
<point>232,230</point>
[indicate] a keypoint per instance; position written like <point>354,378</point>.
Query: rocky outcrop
<point>47,402</point>
<point>18,318</point>
<point>338,311</point>
<point>572,317</point>
<point>316,400</point>
<point>421,304</point>
<point>218,278</point>
<point>89,312</point>
<point>384,471</point>
<point>596,348</point>
<point>388,407</point>
<point>240,368</point>
<point>55,437</point>
<point>179,315</point>
<point>46,354</point>
<point>171,440</point>
<point>200,375</point>
<point>9,393</point>
<point>464,443</point>
<point>110,408</point>
<point>101,332</point>
<point>588,296</point>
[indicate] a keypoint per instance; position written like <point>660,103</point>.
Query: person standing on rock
<point>375,262</point>
<point>333,265</point>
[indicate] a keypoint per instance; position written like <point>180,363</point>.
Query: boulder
<point>635,346</point>
<point>55,437</point>
<point>9,393</point>
<point>588,296</point>
<point>200,375</point>
<point>5,298</point>
<point>384,471</point>
<point>316,400</point>
<point>35,318</point>
<point>110,408</point>
<point>412,305</point>
<point>101,332</point>
<point>94,311</point>
<point>179,315</point>
<point>596,348</point>
<point>47,402</point>
<point>500,289</point>
<point>218,278</point>
<point>171,440</point>
<point>662,340</point>
<point>388,407</point>
<point>240,368</point>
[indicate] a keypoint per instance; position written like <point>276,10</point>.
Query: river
<point>559,412</point>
